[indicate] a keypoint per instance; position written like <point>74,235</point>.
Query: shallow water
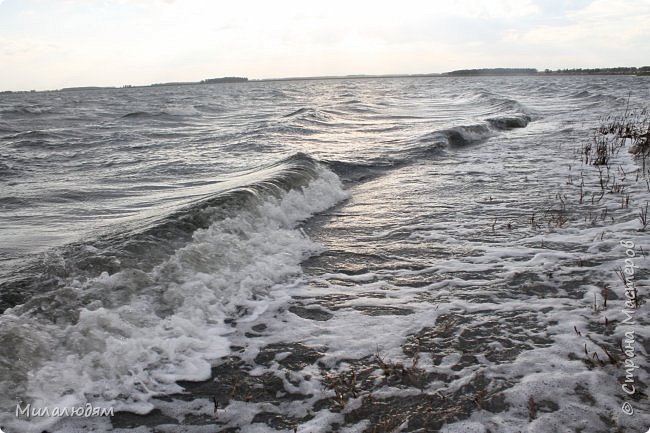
<point>337,255</point>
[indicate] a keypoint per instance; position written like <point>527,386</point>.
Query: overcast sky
<point>48,44</point>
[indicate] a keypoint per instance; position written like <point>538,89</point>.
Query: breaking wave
<point>120,338</point>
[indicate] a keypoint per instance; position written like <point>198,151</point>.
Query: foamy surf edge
<point>144,331</point>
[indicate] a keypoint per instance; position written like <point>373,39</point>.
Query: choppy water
<point>273,239</point>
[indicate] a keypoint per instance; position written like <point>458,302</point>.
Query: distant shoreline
<point>485,72</point>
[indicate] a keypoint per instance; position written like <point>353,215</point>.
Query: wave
<point>509,113</point>
<point>465,135</point>
<point>459,135</point>
<point>25,110</point>
<point>581,94</point>
<point>309,116</point>
<point>151,241</point>
<point>509,122</point>
<point>140,114</point>
<point>285,129</point>
<point>610,99</point>
<point>513,106</point>
<point>500,103</point>
<point>356,106</point>
<point>171,111</point>
<point>36,134</point>
<point>120,338</point>
<point>593,96</point>
<point>299,111</point>
<point>357,172</point>
<point>37,139</point>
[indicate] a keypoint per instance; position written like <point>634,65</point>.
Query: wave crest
<point>121,338</point>
<point>505,123</point>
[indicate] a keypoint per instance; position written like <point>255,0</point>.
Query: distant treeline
<point>65,89</point>
<point>224,80</point>
<point>207,81</point>
<point>173,83</point>
<point>644,70</point>
<point>493,71</point>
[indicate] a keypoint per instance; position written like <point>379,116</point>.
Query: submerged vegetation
<point>629,131</point>
<point>602,181</point>
<point>633,125</point>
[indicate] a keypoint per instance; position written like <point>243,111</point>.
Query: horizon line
<point>469,72</point>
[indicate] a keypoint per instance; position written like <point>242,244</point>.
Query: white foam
<point>171,328</point>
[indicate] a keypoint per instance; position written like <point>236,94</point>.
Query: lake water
<point>407,254</point>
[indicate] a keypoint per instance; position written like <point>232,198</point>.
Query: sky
<point>51,44</point>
